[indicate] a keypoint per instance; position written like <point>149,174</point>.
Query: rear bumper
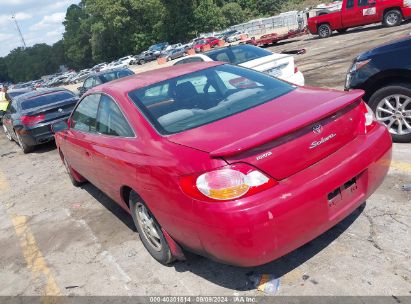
<point>39,134</point>
<point>266,226</point>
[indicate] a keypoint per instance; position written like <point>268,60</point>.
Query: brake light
<point>32,120</point>
<point>369,118</point>
<point>295,69</point>
<point>226,183</point>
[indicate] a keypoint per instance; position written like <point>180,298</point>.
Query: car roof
<point>148,78</point>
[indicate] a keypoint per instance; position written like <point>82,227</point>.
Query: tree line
<point>104,30</point>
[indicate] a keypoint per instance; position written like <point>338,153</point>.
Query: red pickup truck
<point>360,12</point>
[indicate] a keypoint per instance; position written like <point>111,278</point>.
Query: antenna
<point>13,16</point>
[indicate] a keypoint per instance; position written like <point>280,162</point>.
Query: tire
<point>392,107</point>
<point>7,133</point>
<point>392,18</point>
<point>70,173</point>
<point>141,62</point>
<point>342,31</point>
<point>155,243</point>
<point>324,30</point>
<point>24,147</point>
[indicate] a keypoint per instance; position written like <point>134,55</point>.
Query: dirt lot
<point>59,240</point>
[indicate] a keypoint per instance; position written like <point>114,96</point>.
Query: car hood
<point>404,42</point>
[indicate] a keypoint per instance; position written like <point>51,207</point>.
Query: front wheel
<point>70,173</point>
<point>392,107</point>
<point>324,31</point>
<point>149,230</point>
<point>392,18</point>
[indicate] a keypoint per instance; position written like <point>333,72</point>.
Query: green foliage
<point>104,30</point>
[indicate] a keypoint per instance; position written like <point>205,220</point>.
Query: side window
<point>350,4</point>
<point>84,117</point>
<point>88,83</point>
<point>110,119</point>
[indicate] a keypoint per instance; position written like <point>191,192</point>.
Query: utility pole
<point>18,29</point>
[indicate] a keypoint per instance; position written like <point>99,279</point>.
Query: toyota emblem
<point>318,129</point>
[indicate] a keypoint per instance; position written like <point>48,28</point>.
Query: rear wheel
<point>149,230</point>
<point>392,107</point>
<point>7,133</point>
<point>392,18</point>
<point>324,31</point>
<point>24,147</point>
<point>141,62</point>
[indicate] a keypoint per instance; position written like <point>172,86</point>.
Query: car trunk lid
<point>277,65</point>
<point>53,111</point>
<point>285,135</point>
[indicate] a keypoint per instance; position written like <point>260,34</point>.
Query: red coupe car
<point>225,161</point>
<point>200,45</point>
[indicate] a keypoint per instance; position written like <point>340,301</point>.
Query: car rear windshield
<point>46,99</point>
<point>205,96</point>
<point>238,54</point>
<point>16,93</point>
<point>106,77</point>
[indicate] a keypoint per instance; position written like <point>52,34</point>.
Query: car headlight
<point>359,65</point>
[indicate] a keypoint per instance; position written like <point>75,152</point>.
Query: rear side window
<point>45,100</point>
<point>84,117</point>
<point>350,4</point>
<point>111,121</point>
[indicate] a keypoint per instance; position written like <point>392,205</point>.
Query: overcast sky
<point>40,21</point>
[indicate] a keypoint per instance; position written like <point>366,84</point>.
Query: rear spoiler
<point>289,126</point>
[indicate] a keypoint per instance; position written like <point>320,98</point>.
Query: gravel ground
<point>59,240</point>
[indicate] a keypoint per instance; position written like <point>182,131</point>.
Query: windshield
<point>238,54</point>
<point>16,93</point>
<point>202,97</point>
<point>44,100</point>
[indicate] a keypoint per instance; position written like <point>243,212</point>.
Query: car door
<point>114,148</point>
<point>76,143</point>
<point>351,14</point>
<point>368,11</point>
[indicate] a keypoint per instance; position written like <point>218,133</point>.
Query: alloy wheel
<point>148,226</point>
<point>392,19</point>
<point>395,112</point>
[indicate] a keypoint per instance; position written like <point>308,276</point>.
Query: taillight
<point>295,69</point>
<point>226,183</point>
<point>32,120</point>
<point>369,118</point>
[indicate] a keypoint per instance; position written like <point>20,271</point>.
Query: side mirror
<point>59,126</point>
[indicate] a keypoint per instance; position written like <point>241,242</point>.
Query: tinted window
<point>115,75</point>
<point>350,3</point>
<point>364,2</point>
<point>189,60</point>
<point>44,100</point>
<point>15,94</point>
<point>238,54</point>
<point>111,121</point>
<point>84,117</point>
<point>205,96</point>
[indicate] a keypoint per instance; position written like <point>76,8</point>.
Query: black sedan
<point>29,116</point>
<point>384,73</point>
<point>102,77</point>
